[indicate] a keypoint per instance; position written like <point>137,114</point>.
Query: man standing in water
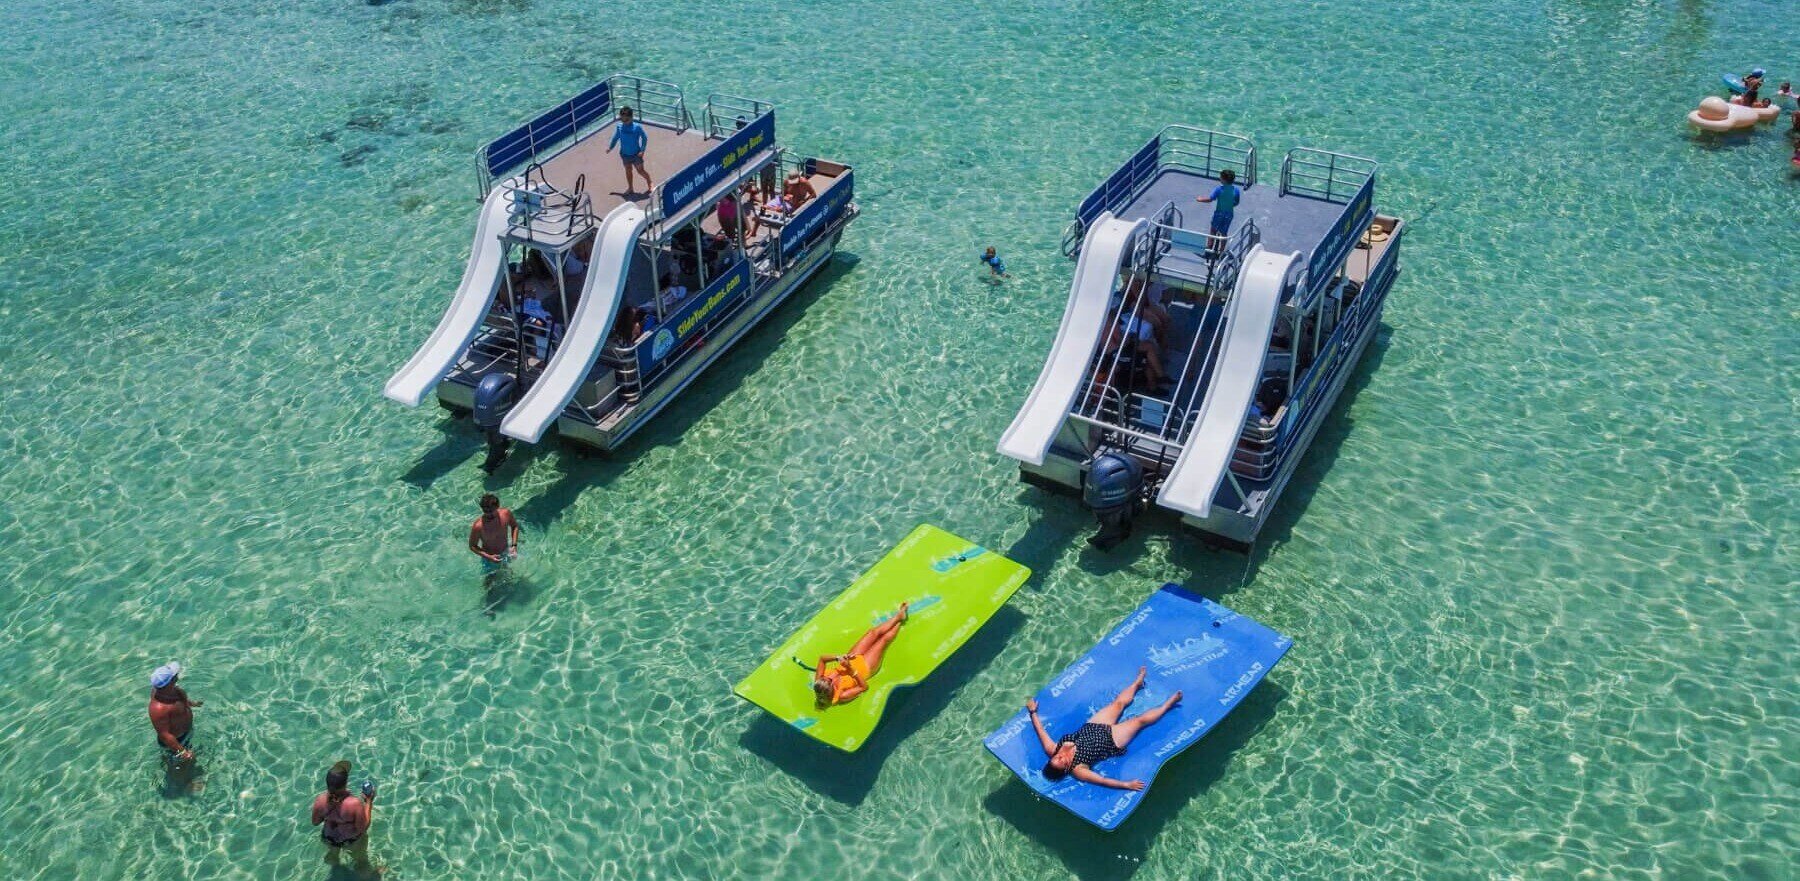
<point>494,537</point>
<point>172,718</point>
<point>343,819</point>
<point>171,713</point>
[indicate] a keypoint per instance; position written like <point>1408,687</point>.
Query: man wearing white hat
<point>171,713</point>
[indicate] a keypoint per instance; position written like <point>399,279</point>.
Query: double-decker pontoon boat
<point>1192,370</point>
<point>589,306</point>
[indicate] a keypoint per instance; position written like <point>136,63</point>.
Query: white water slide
<point>480,282</point>
<point>1103,251</point>
<point>1249,320</point>
<point>601,292</point>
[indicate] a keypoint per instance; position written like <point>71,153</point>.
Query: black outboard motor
<point>1112,488</point>
<point>494,397</point>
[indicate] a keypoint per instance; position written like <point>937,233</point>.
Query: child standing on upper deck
<point>1225,198</point>
<point>631,139</point>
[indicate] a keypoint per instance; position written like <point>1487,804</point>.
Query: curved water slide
<point>474,296</point>
<point>1103,251</point>
<point>601,292</point>
<point>1249,322</point>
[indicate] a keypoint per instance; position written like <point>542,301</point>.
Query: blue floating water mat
<point>1735,83</point>
<point>1214,656</point>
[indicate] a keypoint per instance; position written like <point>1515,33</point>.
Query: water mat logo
<point>1068,680</point>
<point>954,560</point>
<point>1131,624</point>
<point>661,344</point>
<point>1245,681</point>
<point>912,608</point>
<point>1205,646</point>
<point>1011,731</point>
<point>1118,809</point>
<point>1180,741</point>
<point>804,722</point>
<point>955,639</point>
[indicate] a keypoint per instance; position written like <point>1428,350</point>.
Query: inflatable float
<point>1764,113</point>
<point>1184,642</point>
<point>1735,83</point>
<point>1715,115</point>
<point>955,586</point>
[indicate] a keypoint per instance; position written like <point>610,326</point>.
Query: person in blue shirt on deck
<point>994,263</point>
<point>631,139</point>
<point>1225,198</point>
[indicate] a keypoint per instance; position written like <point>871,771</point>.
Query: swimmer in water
<point>343,819</point>
<point>994,263</point>
<point>840,684</point>
<point>494,537</point>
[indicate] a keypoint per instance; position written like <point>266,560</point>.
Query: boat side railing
<point>538,210</point>
<point>1206,152</point>
<point>1303,402</point>
<point>651,100</point>
<point>725,114</point>
<point>1340,179</point>
<point>1322,174</point>
<point>1185,399</point>
<point>554,129</point>
<point>1187,148</point>
<point>1103,369</point>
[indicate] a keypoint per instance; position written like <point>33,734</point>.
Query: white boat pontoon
<point>589,307</point>
<point>1192,370</point>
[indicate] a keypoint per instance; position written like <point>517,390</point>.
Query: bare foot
<point>903,611</point>
<point>1140,676</point>
<point>1173,700</point>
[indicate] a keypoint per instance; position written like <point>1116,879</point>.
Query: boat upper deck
<point>1287,222</point>
<point>1319,206</point>
<point>666,152</point>
<point>559,164</point>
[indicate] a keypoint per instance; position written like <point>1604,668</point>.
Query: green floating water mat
<point>953,586</point>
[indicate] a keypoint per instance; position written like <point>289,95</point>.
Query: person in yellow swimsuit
<point>840,678</point>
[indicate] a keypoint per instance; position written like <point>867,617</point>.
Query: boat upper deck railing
<point>1201,151</point>
<point>552,130</point>
<point>1340,179</point>
<point>538,211</point>
<point>727,114</point>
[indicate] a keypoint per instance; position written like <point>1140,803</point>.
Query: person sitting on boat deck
<point>1225,198</point>
<point>631,139</point>
<point>839,684</point>
<point>573,267</point>
<point>673,292</point>
<point>1143,335</point>
<point>628,326</point>
<point>1149,307</point>
<point>797,191</point>
<point>993,262</point>
<point>1100,738</point>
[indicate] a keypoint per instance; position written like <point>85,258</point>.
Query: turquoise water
<point>1539,568</point>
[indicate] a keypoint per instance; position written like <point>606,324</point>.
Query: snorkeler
<point>1102,737</point>
<point>833,685</point>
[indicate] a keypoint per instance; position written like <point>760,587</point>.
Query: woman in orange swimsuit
<point>840,678</point>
